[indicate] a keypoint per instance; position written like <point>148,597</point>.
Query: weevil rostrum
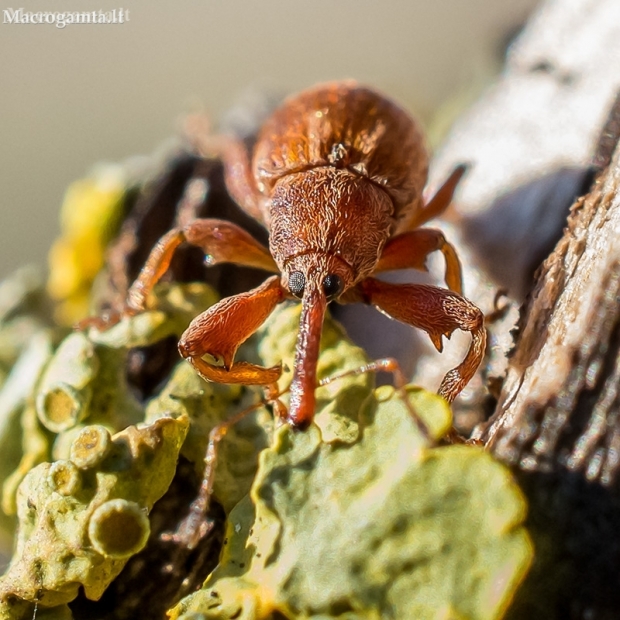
<point>336,176</point>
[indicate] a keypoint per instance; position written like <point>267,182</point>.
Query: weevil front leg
<point>220,240</point>
<point>410,250</point>
<point>218,333</point>
<point>438,312</point>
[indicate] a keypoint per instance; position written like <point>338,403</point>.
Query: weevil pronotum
<point>336,176</point>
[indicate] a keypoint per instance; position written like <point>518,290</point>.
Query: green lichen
<point>206,405</point>
<point>65,389</point>
<point>84,514</point>
<point>71,540</point>
<point>24,313</point>
<point>339,402</point>
<point>83,382</point>
<point>358,517</point>
<point>388,527</point>
<point>383,525</point>
<point>27,340</point>
<point>119,528</point>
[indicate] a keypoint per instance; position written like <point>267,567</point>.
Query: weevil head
<point>327,229</point>
<point>326,274</point>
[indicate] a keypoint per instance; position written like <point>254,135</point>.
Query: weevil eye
<point>297,283</point>
<point>332,286</point>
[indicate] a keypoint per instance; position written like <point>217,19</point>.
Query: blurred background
<point>72,97</point>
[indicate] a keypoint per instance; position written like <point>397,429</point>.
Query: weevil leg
<point>386,364</point>
<point>220,330</point>
<point>409,250</point>
<point>236,160</point>
<point>440,201</point>
<point>222,242</point>
<point>438,312</point>
<point>196,525</point>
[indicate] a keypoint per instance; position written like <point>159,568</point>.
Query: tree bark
<point>534,141</point>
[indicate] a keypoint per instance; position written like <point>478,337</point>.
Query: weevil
<point>336,176</point>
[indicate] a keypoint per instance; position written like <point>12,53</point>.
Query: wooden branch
<point>558,417</point>
<point>531,140</point>
<point>559,402</point>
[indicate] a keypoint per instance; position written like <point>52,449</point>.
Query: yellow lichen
<point>387,526</point>
<point>119,528</point>
<point>65,390</point>
<point>91,446</point>
<point>135,473</point>
<point>90,215</point>
<point>82,516</point>
<point>65,478</point>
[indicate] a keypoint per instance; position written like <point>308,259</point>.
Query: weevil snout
<point>316,277</point>
<point>302,403</point>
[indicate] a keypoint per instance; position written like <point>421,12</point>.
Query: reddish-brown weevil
<point>336,176</point>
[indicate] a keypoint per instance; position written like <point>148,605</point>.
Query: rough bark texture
<point>530,141</point>
<point>534,141</point>
<point>567,351</point>
<point>557,420</point>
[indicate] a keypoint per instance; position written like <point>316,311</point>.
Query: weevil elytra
<point>336,176</point>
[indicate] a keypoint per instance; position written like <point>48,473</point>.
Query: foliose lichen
<point>359,517</point>
<point>92,466</point>
<point>383,526</point>
<point>79,522</point>
<point>90,215</point>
